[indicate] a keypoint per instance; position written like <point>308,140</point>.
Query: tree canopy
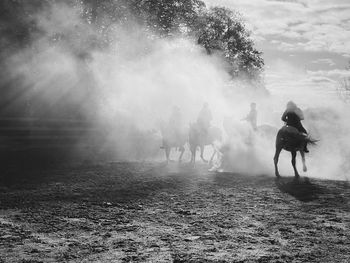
<point>80,27</point>
<point>219,30</point>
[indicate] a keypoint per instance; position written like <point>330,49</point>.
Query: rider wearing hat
<point>293,116</point>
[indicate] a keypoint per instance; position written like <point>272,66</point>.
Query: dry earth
<point>144,212</point>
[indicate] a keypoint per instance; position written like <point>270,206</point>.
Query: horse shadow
<point>300,188</point>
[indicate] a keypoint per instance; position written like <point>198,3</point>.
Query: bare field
<point>146,212</point>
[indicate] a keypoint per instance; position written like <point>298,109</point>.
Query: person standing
<point>252,117</point>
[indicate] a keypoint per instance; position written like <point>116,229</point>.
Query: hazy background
<point>123,89</point>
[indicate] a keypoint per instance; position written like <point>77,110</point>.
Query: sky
<point>306,44</point>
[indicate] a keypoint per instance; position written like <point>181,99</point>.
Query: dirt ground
<point>146,212</point>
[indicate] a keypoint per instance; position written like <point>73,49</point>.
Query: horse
<point>173,139</point>
<point>290,139</point>
<point>266,131</point>
<point>198,137</point>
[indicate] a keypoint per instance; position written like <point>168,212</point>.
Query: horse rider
<point>252,116</point>
<point>173,127</point>
<point>293,116</point>
<point>175,122</point>
<point>204,119</point>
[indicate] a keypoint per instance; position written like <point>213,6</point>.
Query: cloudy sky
<point>306,43</point>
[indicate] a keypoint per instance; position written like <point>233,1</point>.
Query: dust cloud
<point>128,89</point>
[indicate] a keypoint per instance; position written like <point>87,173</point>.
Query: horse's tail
<point>310,140</point>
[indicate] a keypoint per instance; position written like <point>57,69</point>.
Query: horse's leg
<point>167,153</point>
<point>275,159</point>
<point>213,155</point>
<point>294,154</point>
<point>202,153</point>
<point>182,150</point>
<point>193,154</point>
<point>302,153</point>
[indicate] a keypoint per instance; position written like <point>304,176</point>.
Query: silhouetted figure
<point>175,121</point>
<point>290,139</point>
<point>293,116</point>
<point>204,118</point>
<point>173,134</point>
<point>252,117</point>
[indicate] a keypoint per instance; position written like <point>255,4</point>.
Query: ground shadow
<point>227,179</point>
<point>231,179</point>
<point>301,188</point>
<point>117,183</point>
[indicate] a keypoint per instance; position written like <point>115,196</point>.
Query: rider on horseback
<point>204,119</point>
<point>175,122</point>
<point>293,116</point>
<point>173,129</point>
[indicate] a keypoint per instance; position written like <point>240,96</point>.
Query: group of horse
<point>196,137</point>
<point>287,138</point>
